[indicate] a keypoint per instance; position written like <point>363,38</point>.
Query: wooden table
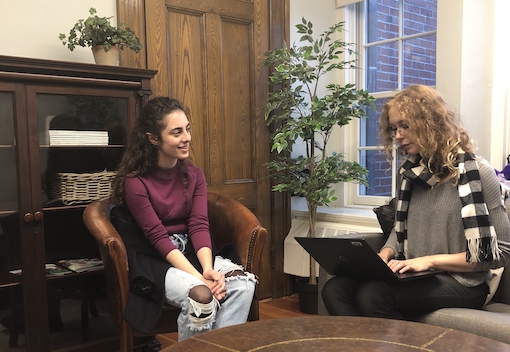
<point>325,333</point>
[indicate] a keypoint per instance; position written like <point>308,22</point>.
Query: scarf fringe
<point>482,249</point>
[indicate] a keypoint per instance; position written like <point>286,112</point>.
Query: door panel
<point>237,100</point>
<point>186,76</point>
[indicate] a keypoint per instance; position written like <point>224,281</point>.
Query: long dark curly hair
<point>140,155</point>
<point>434,126</point>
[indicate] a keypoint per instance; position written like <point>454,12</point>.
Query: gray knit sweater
<point>434,224</point>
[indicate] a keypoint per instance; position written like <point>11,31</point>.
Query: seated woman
<point>170,251</point>
<point>450,216</point>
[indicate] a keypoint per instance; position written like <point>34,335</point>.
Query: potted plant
<point>97,32</point>
<point>299,115</point>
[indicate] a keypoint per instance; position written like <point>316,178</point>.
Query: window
<point>397,49</point>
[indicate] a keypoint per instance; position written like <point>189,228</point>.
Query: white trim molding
<point>343,3</point>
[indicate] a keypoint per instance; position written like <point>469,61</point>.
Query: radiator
<point>296,261</point>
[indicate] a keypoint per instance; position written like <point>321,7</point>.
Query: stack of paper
<point>69,137</point>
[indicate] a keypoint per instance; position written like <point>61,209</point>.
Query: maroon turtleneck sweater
<point>158,203</point>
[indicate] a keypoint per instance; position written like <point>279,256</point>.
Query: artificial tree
<point>298,113</point>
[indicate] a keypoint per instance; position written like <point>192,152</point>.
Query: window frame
<point>355,19</point>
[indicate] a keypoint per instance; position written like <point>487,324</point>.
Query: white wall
<point>43,21</point>
<point>322,17</point>
<point>500,129</point>
<point>470,76</point>
<point>472,70</point>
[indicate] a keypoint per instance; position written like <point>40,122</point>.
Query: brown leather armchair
<point>230,222</point>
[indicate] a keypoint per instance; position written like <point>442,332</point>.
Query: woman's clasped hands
<point>216,283</point>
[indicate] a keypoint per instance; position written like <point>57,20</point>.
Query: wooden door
<point>209,54</point>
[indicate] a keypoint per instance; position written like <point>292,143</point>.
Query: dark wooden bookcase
<point>37,227</point>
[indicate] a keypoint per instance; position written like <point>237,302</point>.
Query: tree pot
<point>110,57</point>
<point>308,295</point>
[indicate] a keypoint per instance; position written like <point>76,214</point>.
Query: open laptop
<point>353,257</point>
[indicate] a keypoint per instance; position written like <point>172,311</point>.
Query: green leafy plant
<point>98,31</point>
<point>297,113</point>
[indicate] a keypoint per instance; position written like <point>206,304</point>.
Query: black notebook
<point>354,258</point>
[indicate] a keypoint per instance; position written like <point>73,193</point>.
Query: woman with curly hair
<point>162,218</point>
<point>450,217</point>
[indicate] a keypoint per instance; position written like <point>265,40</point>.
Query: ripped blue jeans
<point>232,310</point>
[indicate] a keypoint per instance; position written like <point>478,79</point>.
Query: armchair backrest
<point>232,222</point>
<point>503,292</point>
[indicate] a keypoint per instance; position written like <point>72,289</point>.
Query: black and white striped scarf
<point>481,240</point>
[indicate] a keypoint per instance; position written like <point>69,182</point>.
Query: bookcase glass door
<point>82,135</point>
<point>9,201</point>
<point>81,139</point>
<point>8,176</point>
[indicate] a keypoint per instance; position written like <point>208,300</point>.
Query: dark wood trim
<point>132,12</point>
<point>280,202</point>
<point>22,65</point>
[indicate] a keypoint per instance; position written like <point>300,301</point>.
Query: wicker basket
<point>73,188</point>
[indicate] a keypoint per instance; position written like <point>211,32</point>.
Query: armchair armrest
<point>232,222</point>
<point>113,254</point>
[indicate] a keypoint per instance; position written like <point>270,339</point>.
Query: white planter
<point>110,57</point>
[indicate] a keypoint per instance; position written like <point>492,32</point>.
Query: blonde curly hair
<point>433,126</point>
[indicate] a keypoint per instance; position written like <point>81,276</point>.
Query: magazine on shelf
<point>51,270</point>
<point>56,270</point>
<point>81,265</point>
